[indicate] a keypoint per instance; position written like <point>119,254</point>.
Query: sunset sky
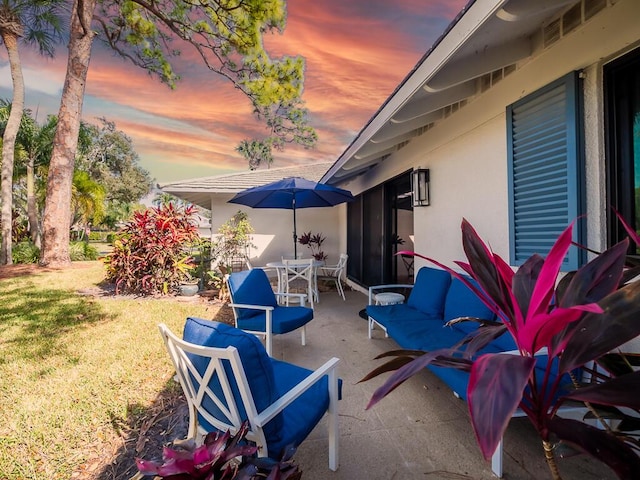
<point>356,51</point>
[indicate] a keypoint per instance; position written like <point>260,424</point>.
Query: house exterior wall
<point>467,152</point>
<point>273,236</point>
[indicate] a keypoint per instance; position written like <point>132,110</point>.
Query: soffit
<point>489,37</point>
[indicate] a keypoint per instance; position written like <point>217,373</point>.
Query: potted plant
<point>576,321</point>
<point>314,242</point>
<point>189,285</point>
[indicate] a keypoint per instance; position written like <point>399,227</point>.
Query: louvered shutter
<point>544,133</point>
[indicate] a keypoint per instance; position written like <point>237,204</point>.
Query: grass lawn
<point>79,373</point>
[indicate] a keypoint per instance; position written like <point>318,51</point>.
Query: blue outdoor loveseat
<point>421,324</point>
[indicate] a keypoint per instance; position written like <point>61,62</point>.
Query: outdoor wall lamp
<point>420,187</point>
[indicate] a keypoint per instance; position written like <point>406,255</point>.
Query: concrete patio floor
<point>420,431</point>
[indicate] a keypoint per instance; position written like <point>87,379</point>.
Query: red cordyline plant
<point>576,322</point>
<point>314,242</point>
<point>222,456</point>
<point>152,252</point>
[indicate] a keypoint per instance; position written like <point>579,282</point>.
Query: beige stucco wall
<point>467,152</point>
<point>273,236</point>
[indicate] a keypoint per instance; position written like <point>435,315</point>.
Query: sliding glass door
<point>380,223</point>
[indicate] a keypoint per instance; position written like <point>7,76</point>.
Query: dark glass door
<point>400,236</point>
<point>379,224</point>
<point>622,101</point>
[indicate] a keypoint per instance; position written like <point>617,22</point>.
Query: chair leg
<point>340,289</point>
<point>268,332</point>
<point>304,335</point>
<point>334,434</point>
<point>268,343</point>
<point>496,460</point>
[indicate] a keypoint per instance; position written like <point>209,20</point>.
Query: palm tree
<point>87,201</point>
<point>36,141</point>
<point>163,198</point>
<point>34,22</point>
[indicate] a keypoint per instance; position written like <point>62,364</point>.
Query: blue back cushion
<point>257,366</point>
<point>251,287</point>
<point>462,302</point>
<point>429,291</point>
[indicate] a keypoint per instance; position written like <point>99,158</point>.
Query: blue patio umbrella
<point>292,193</point>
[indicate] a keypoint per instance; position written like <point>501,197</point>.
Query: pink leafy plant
<point>574,322</point>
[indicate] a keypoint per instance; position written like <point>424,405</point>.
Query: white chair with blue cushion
<point>257,311</point>
<point>228,378</point>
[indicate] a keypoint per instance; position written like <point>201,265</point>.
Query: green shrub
<point>25,252</point>
<point>80,251</point>
<point>100,236</point>
<point>111,237</point>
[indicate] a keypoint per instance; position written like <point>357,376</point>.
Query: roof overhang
<point>488,37</point>
<point>202,191</point>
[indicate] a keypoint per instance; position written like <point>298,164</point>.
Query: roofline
<point>225,175</point>
<point>463,26</point>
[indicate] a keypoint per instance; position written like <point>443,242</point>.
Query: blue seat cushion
<point>463,302</point>
<point>302,415</point>
<point>283,319</point>
<point>257,365</point>
<point>429,291</point>
<point>251,287</point>
<point>438,336</point>
<point>386,315</point>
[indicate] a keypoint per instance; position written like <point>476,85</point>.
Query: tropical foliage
<point>107,181</point>
<point>232,242</point>
<point>314,243</point>
<point>217,459</point>
<point>151,255</point>
<point>575,321</point>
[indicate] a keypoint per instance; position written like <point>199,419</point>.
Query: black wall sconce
<point>420,187</point>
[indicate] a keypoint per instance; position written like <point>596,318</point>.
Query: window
<point>622,104</point>
<point>545,161</point>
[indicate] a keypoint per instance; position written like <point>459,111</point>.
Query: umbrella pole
<point>295,237</point>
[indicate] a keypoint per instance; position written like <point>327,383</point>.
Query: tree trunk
<point>57,210</point>
<point>32,209</point>
<point>8,145</point>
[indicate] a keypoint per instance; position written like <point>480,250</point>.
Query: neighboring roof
<point>199,190</point>
<point>485,42</point>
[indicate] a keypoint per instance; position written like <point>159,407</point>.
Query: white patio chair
<point>300,272</point>
<point>257,310</point>
<point>333,273</point>
<point>227,378</point>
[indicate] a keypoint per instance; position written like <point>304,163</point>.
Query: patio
<point>420,431</point>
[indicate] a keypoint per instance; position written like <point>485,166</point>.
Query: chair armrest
<point>276,407</point>
<point>300,296</point>
<point>373,288</point>
<point>254,307</point>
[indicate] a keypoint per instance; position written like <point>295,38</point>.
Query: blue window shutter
<point>544,134</point>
